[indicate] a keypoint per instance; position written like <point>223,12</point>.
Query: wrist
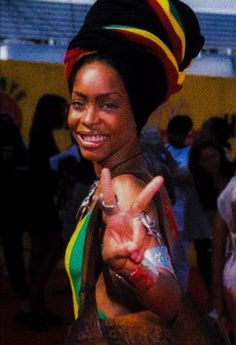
<point>142,278</point>
<point>158,258</point>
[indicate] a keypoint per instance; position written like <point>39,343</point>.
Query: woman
<point>224,255</point>
<point>218,129</point>
<point>13,186</point>
<point>117,75</point>
<point>211,171</point>
<point>157,158</point>
<point>45,227</point>
<point>177,145</point>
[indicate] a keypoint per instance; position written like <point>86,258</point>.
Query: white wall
<point>212,66</point>
<point>203,65</point>
<point>31,52</point>
<point>213,6</point>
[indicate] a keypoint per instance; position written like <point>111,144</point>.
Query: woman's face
<point>209,160</point>
<point>100,116</point>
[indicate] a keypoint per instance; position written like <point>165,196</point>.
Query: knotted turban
<point>155,39</point>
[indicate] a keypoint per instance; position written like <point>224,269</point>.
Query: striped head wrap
<point>156,39</point>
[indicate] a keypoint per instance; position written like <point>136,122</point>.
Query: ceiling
<point>209,6</point>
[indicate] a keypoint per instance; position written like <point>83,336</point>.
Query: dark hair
<point>143,103</point>
<point>205,184</point>
<point>177,130</point>
<point>50,113</point>
<point>10,135</point>
<point>226,167</point>
<point>218,129</point>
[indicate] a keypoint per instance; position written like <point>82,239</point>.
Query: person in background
<point>44,222</point>
<point>75,176</point>
<point>13,198</point>
<point>70,154</point>
<point>224,256</point>
<point>211,171</point>
<point>217,129</point>
<point>158,159</point>
<point>190,219</point>
<point>178,129</point>
<point>75,180</point>
<point>118,73</point>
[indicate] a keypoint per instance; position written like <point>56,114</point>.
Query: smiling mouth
<point>94,139</point>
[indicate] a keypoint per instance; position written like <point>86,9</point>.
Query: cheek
<point>121,127</point>
<point>126,122</point>
<point>125,131</point>
<point>72,120</point>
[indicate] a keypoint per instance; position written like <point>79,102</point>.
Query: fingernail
<point>132,248</point>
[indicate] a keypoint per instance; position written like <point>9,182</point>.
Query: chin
<point>90,156</point>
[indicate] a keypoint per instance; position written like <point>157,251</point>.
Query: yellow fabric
<point>177,28</point>
<point>67,263</point>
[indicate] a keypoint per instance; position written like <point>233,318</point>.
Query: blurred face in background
<point>209,160</point>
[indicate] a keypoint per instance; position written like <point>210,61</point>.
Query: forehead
<point>99,74</point>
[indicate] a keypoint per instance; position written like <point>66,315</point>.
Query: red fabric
<point>174,38</point>
<point>71,57</point>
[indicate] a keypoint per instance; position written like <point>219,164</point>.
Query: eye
<point>109,106</point>
<point>77,105</point>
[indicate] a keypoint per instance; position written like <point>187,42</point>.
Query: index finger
<point>146,195</point>
<point>108,195</point>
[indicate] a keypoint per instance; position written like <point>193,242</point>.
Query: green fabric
<point>74,261</point>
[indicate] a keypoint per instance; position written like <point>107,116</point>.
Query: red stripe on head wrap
<point>174,38</point>
<point>71,57</point>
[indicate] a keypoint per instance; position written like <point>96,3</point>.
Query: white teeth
<point>94,138</point>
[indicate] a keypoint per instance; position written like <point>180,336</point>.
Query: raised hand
<point>125,237</point>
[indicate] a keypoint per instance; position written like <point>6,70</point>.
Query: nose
<point>90,115</point>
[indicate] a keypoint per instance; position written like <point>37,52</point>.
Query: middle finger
<point>144,198</point>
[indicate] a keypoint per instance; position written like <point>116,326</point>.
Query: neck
<point>121,159</point>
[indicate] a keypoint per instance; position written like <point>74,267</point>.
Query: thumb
<point>121,251</point>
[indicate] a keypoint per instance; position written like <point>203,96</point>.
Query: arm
<point>220,233</point>
<point>233,205</point>
<point>126,242</point>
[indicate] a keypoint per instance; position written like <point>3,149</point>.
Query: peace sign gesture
<point>126,238</point>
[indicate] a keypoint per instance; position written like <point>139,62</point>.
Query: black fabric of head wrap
<point>194,40</point>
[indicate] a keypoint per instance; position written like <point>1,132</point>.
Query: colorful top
<point>74,262</point>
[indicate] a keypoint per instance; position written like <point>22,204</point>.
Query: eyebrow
<point>100,96</point>
<point>78,94</point>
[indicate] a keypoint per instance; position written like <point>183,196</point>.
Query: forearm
<point>155,284</point>
<point>163,297</point>
<point>234,214</point>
